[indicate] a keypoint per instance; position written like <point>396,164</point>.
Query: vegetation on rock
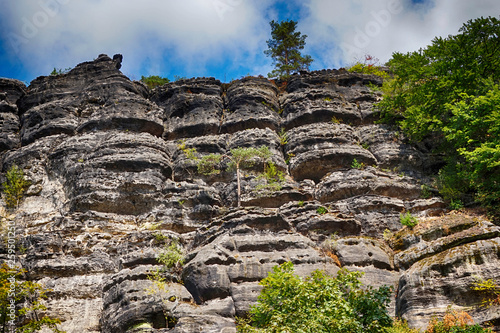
<point>154,81</point>
<point>15,187</point>
<point>21,303</point>
<point>369,66</point>
<point>408,220</point>
<point>318,303</point>
<point>237,159</point>
<point>455,322</point>
<point>284,49</point>
<point>449,92</point>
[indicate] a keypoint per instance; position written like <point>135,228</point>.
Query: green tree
<point>154,81</point>
<point>318,303</point>
<point>28,297</point>
<point>449,92</point>
<point>15,187</point>
<point>237,159</point>
<point>284,49</point>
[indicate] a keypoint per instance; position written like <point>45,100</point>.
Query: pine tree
<point>284,48</point>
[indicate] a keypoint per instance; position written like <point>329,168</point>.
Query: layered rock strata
<point>110,189</point>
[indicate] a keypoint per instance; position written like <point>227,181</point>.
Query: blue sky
<point>224,39</point>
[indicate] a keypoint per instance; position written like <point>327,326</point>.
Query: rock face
<point>111,189</point>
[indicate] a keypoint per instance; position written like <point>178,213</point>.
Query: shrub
<point>172,257</point>
<point>154,81</point>
<point>455,322</point>
<point>318,303</point>
<point>408,220</point>
<point>274,178</point>
<point>283,137</point>
<point>321,210</point>
<point>28,296</point>
<point>357,165</point>
<point>401,326</point>
<point>492,290</point>
<point>15,187</point>
<point>369,66</point>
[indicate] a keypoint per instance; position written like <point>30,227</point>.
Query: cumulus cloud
<point>214,37</point>
<point>342,32</point>
<point>151,33</point>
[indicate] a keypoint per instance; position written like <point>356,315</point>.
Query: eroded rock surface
<point>111,188</point>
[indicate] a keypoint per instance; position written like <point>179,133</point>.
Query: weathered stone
<point>111,188</point>
<point>10,92</point>
<point>361,252</point>
<point>370,181</point>
<point>251,103</point>
<point>318,149</point>
<point>92,96</point>
<point>191,107</point>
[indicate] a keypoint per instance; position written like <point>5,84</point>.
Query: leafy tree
<point>154,81</point>
<point>284,49</point>
<point>318,303</point>
<point>15,187</point>
<point>237,159</point>
<point>449,92</point>
<point>28,294</point>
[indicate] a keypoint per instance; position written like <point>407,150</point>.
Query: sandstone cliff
<point>110,188</point>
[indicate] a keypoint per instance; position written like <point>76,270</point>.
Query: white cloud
<point>61,33</point>
<point>344,31</point>
<point>192,37</point>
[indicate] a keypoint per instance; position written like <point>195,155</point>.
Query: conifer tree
<point>284,48</point>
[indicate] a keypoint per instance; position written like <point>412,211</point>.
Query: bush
<point>408,220</point>
<point>29,297</point>
<point>321,210</point>
<point>357,165</point>
<point>455,322</point>
<point>15,187</point>
<point>401,326</point>
<point>154,81</point>
<point>172,257</point>
<point>318,303</point>
<point>369,66</point>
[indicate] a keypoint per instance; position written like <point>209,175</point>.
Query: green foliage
<point>172,257</point>
<point>59,71</point>
<point>357,165</point>
<point>283,137</point>
<point>426,191</point>
<point>336,120</point>
<point>401,326</point>
<point>321,210</point>
<point>491,289</point>
<point>408,220</point>
<point>15,187</point>
<point>237,159</point>
<point>369,66</point>
<point>284,48</point>
<point>456,204</point>
<point>387,235</point>
<point>154,81</point>
<point>318,303</point>
<point>28,294</point>
<point>450,93</point>
<point>274,178</point>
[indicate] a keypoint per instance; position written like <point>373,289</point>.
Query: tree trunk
<point>239,185</point>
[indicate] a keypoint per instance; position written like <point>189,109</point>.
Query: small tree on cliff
<point>284,48</point>
<point>237,159</point>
